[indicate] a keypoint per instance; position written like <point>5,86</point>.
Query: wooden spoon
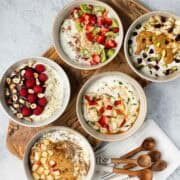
<point>144,174</point>
<point>142,161</point>
<point>147,145</point>
<point>159,165</point>
<point>155,156</point>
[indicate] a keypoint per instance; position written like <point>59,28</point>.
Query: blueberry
<point>134,33</point>
<point>129,41</point>
<point>138,26</point>
<point>177,60</point>
<point>139,60</point>
<point>156,67</point>
<point>144,55</point>
<point>151,51</point>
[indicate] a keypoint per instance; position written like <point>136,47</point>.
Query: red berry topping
<point>107,21</point>
<point>90,36</point>
<point>38,110</point>
<point>38,89</point>
<point>40,68</point>
<point>110,43</point>
<point>26,111</point>
<point>100,39</point>
<point>28,74</point>
<point>95,59</point>
<point>23,92</point>
<point>42,101</point>
<point>30,83</point>
<point>104,30</point>
<point>31,98</point>
<point>115,30</point>
<point>43,77</point>
<point>89,28</point>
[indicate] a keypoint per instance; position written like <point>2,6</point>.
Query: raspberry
<point>28,74</point>
<point>42,101</point>
<point>31,98</point>
<point>38,110</point>
<point>23,92</point>
<point>30,83</point>
<point>40,68</point>
<point>38,89</point>
<point>43,77</point>
<point>26,111</point>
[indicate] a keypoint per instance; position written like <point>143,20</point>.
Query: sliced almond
<point>13,110</point>
<point>38,82</point>
<point>35,167</point>
<point>43,160</point>
<point>46,172</point>
<point>7,92</point>
<point>43,147</point>
<point>50,177</point>
<point>14,91</point>
<point>37,156</point>
<point>22,72</point>
<point>28,119</point>
<point>40,170</point>
<point>36,176</point>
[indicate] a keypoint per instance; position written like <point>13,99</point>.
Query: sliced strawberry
<point>123,122</point>
<point>116,103</point>
<point>38,89</point>
<point>40,68</point>
<point>90,102</point>
<point>90,36</point>
<point>28,73</point>
<point>96,58</point>
<point>115,30</point>
<point>30,83</point>
<point>100,39</point>
<point>38,110</point>
<point>110,44</point>
<point>109,107</point>
<point>118,111</point>
<point>42,77</point>
<point>86,18</point>
<point>31,98</point>
<point>42,101</point>
<point>23,92</point>
<point>89,28</point>
<point>107,21</point>
<point>104,30</point>
<point>100,21</point>
<point>102,121</point>
<point>93,19</point>
<point>101,111</point>
<point>26,111</point>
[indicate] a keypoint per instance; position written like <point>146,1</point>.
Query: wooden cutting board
<point>18,136</point>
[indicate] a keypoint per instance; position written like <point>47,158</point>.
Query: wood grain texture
<point>18,136</point>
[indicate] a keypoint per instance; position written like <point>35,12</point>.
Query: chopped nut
<point>12,86</point>
<point>22,72</point>
<point>30,91</point>
<point>14,91</point>
<point>28,119</point>
<point>8,80</point>
<point>15,105</point>
<point>14,98</point>
<point>36,75</point>
<point>33,106</point>
<point>16,80</point>
<point>13,110</point>
<point>7,92</point>
<point>19,115</point>
<point>37,82</point>
<point>22,101</point>
<point>40,95</point>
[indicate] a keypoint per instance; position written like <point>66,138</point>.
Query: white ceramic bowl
<point>65,86</point>
<point>57,25</point>
<point>140,20</point>
<point>64,129</point>
<point>114,137</point>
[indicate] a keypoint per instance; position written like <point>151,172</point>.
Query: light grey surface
<point>26,31</point>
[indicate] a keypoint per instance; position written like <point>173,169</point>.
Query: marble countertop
<point>26,31</point>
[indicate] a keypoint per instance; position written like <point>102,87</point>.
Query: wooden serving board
<point>18,136</point>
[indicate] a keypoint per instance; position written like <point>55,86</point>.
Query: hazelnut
<point>33,106</point>
<point>15,105</point>
<point>14,97</point>
<point>19,115</point>
<point>16,80</point>
<point>12,86</point>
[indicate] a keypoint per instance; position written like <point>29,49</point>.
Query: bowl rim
<point>61,52</point>
<point>48,62</point>
<point>130,29</point>
<point>133,129</point>
<point>38,135</point>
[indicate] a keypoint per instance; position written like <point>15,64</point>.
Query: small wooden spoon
<point>155,156</point>
<point>142,161</point>
<point>159,165</point>
<point>144,174</point>
<point>147,145</point>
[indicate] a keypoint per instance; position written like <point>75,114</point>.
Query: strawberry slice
<point>95,59</point>
<point>90,36</point>
<point>101,111</point>
<point>90,102</point>
<point>115,30</point>
<point>123,122</point>
<point>109,107</point>
<point>110,44</point>
<point>104,30</point>
<point>117,103</point>
<point>89,28</point>
<point>100,39</point>
<point>102,121</point>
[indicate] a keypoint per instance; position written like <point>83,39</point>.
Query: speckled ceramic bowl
<point>53,129</point>
<point>131,29</point>
<point>57,25</point>
<point>112,137</point>
<point>65,86</point>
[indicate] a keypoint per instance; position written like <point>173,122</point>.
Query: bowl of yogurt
<point>87,34</point>
<point>35,91</point>
<point>59,153</point>
<point>111,106</point>
<point>152,46</point>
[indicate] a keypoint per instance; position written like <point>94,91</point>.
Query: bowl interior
<point>83,141</point>
<point>56,30</point>
<point>140,20</point>
<point>65,87</point>
<point>115,137</point>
